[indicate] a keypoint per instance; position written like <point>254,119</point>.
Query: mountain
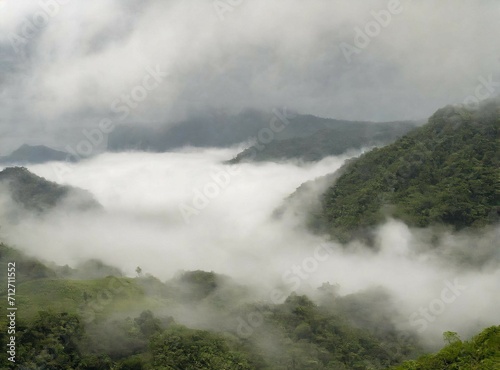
<point>223,130</point>
<point>443,173</point>
<point>338,138</point>
<point>36,194</point>
<point>214,129</point>
<point>27,154</point>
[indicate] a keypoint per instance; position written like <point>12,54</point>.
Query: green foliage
<point>445,172</point>
<point>91,269</point>
<point>93,299</point>
<point>298,334</point>
<point>186,349</point>
<point>197,285</point>
<point>27,268</point>
<point>350,332</point>
<point>132,363</point>
<point>480,353</point>
<point>51,341</point>
<point>124,338</point>
<point>148,324</point>
<point>39,195</point>
<point>207,287</point>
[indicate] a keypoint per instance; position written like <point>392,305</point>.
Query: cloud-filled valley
<point>262,184</point>
<point>234,232</point>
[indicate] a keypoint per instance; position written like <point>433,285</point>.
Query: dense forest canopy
<point>37,194</point>
<point>445,172</point>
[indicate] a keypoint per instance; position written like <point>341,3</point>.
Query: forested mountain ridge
<point>223,130</point>
<point>333,140</point>
<point>445,172</point>
<point>35,193</point>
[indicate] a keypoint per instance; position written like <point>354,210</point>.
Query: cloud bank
<point>448,284</point>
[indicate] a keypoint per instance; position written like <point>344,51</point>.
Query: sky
<point>67,64</point>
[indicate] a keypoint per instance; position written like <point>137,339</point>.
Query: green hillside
<point>195,320</point>
<point>445,172</point>
<point>202,320</point>
<point>36,194</point>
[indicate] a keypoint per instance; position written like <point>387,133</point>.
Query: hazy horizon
<point>66,66</point>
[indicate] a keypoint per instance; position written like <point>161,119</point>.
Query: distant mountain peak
<point>34,154</point>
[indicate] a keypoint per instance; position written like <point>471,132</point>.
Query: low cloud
<point>236,234</point>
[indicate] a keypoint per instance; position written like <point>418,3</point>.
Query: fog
<point>63,66</point>
<point>233,232</point>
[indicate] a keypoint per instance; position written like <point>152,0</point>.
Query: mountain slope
<point>115,313</point>
<point>34,193</point>
<point>445,172</point>
<point>27,154</point>
<point>334,140</point>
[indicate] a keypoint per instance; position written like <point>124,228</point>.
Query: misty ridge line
<point>124,105</point>
<point>101,43</point>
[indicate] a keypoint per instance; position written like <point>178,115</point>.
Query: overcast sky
<point>65,65</point>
